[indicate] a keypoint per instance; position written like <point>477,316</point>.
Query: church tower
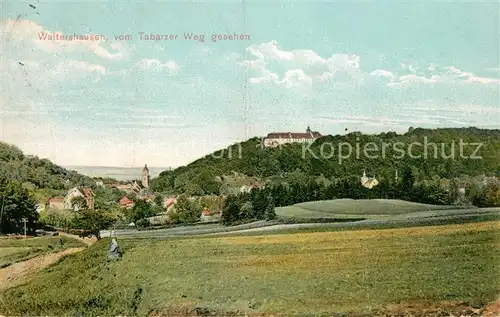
<point>145,176</point>
<point>364,178</point>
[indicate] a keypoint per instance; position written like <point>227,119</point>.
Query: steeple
<point>364,179</point>
<point>145,176</point>
<point>308,130</point>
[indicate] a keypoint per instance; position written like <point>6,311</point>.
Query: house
<point>159,220</point>
<point>99,183</point>
<point>136,187</point>
<point>122,187</point>
<point>489,181</point>
<point>279,138</point>
<point>248,188</point>
<point>84,192</point>
<point>56,203</point>
<point>207,216</point>
<point>126,202</point>
<point>169,203</point>
<point>147,197</point>
<point>368,182</point>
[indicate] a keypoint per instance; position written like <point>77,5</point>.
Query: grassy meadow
<point>303,274</point>
<point>355,209</point>
<point>16,250</point>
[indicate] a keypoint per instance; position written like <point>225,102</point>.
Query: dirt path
<point>87,241</point>
<point>18,273</point>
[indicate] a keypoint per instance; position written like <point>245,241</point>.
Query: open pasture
<point>357,272</point>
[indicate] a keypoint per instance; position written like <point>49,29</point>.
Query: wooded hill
<point>460,152</point>
<point>35,174</point>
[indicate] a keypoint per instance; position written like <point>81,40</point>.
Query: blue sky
<point>370,67</point>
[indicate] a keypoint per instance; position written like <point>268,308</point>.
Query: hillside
<point>35,173</point>
<point>214,172</point>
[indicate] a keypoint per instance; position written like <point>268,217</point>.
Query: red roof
<point>169,202</point>
<point>125,201</point>
<point>56,200</point>
<point>206,212</point>
<point>87,192</point>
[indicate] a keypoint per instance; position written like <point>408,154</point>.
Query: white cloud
<point>295,77</point>
<point>300,67</point>
<point>382,73</point>
<point>406,80</point>
<point>43,74</point>
<point>442,75</point>
<point>271,64</point>
<point>155,65</point>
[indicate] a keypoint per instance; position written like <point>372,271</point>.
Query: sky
<point>124,100</point>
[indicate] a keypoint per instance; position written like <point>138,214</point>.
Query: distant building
<point>150,198</point>
<point>207,216</point>
<point>279,138</point>
<point>169,203</point>
<point>123,187</point>
<point>99,183</point>
<point>55,203</point>
<point>84,192</point>
<point>126,202</point>
<point>136,187</point>
<point>368,182</point>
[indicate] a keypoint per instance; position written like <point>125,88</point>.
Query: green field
<point>302,273</point>
<point>16,250</point>
<point>355,209</point>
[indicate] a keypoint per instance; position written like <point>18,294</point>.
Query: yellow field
<point>323,237</point>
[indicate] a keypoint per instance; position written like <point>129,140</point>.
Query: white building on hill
<point>368,182</point>
<point>279,138</point>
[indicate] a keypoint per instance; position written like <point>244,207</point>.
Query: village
<point>133,191</point>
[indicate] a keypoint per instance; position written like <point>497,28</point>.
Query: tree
<point>247,211</point>
<point>15,204</point>
<point>492,195</point>
<point>270,209</point>
<point>230,210</point>
<point>186,211</point>
<point>142,209</point>
<point>106,198</point>
<point>259,203</point>
<point>78,203</point>
<point>158,200</point>
<point>93,221</point>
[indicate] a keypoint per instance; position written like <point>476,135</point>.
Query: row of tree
<point>257,204</point>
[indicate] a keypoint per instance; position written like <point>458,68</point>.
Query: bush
<point>142,223</point>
